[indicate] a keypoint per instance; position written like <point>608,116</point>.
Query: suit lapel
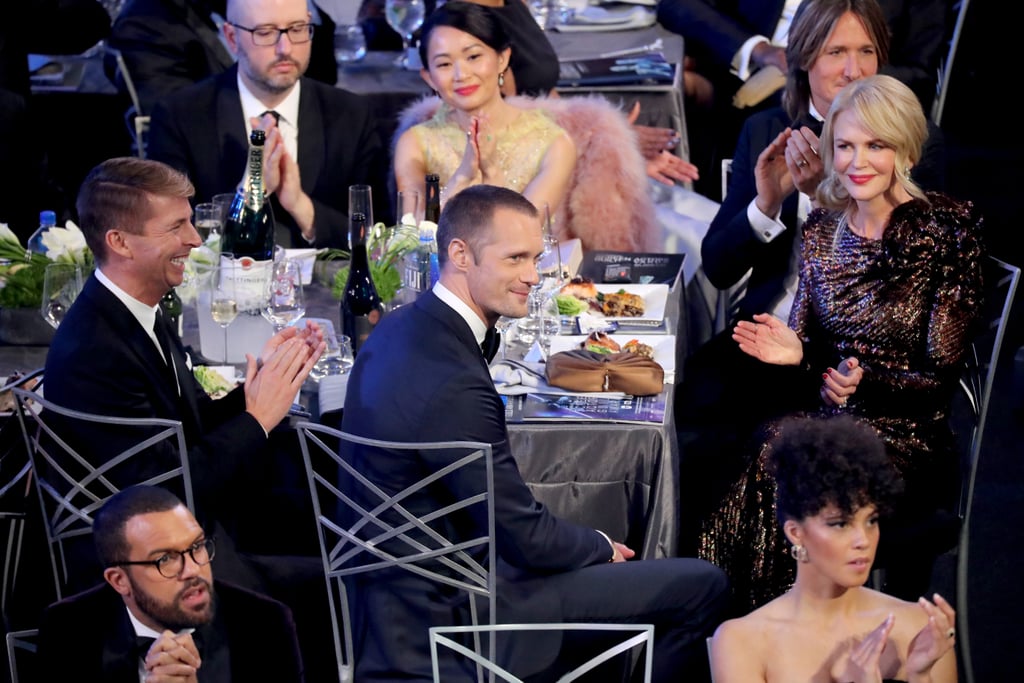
<point>230,122</point>
<point>312,129</point>
<point>119,661</point>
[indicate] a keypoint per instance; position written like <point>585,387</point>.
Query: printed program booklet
<point>540,407</point>
<point>644,69</point>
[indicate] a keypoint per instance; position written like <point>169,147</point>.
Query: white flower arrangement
<point>21,271</point>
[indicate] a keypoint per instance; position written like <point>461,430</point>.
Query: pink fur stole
<point>608,205</point>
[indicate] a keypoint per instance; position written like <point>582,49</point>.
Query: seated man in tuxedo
<point>159,614</point>
<point>171,44</point>
<point>421,376</point>
<point>320,139</point>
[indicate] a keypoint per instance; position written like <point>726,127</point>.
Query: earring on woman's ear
<point>501,79</point>
<point>798,552</point>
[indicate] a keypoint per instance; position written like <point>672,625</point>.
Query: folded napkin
<point>512,378</point>
<point>331,392</point>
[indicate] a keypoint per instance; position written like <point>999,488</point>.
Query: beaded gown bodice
<point>906,306</point>
<point>520,146</point>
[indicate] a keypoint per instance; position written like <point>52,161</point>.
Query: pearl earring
<point>501,79</point>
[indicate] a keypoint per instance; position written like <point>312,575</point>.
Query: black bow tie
<point>492,340</point>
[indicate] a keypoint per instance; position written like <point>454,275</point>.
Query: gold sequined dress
<point>906,306</point>
<point>520,146</point>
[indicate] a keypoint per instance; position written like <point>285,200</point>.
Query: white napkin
<point>512,380</point>
<point>331,392</point>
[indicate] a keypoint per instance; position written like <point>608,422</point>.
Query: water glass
<point>349,43</point>
<point>285,302</point>
<point>337,358</point>
<point>62,282</point>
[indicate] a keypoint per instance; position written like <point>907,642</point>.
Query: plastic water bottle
<point>47,220</point>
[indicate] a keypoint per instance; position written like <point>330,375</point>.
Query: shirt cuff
<point>741,60</point>
<point>610,544</point>
<point>765,228</point>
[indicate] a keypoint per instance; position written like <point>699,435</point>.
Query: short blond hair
<point>114,193</point>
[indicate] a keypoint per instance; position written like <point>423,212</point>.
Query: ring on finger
<point>801,163</point>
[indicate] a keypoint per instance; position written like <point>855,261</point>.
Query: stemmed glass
<point>223,299</point>
<point>284,303</point>
<point>62,283</point>
<point>405,16</point>
<point>549,268</point>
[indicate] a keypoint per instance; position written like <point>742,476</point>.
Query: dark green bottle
<point>361,307</point>
<point>248,240</point>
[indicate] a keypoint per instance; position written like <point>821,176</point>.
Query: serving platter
<point>655,299</point>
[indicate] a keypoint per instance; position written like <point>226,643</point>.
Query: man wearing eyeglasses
<point>160,616</point>
<point>320,139</point>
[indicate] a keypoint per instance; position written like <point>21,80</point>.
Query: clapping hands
<point>769,340</point>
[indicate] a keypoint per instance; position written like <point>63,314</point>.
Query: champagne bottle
<point>361,308</point>
<point>428,237</point>
<point>247,245</point>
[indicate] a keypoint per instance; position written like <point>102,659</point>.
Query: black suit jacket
<point>200,130</point>
<point>89,637</point>
<point>716,29</point>
<point>101,361</point>
<point>446,393</point>
<point>730,247</point>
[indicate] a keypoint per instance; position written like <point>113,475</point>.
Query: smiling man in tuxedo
<point>320,139</point>
<point>159,615</point>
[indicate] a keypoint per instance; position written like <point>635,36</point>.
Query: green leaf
<point>23,287</point>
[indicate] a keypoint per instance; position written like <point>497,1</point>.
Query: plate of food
<point>627,303</point>
<point>661,347</point>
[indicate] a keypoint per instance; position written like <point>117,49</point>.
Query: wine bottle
<point>428,236</point>
<point>361,308</point>
<point>171,305</point>
<point>247,245</point>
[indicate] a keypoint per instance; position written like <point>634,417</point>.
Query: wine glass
<point>223,299</point>
<point>284,303</point>
<point>62,283</point>
<point>405,16</point>
<point>208,220</point>
<point>552,277</point>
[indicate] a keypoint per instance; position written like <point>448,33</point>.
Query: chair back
<point>21,654</point>
<point>134,118</point>
<point>15,485</point>
<point>72,485</point>
<point>1001,280</point>
<point>363,528</point>
<point>637,636</point>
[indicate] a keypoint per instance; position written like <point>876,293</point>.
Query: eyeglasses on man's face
<point>265,36</point>
<point>172,562</point>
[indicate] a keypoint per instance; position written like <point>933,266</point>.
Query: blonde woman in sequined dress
<point>476,137</point>
<point>888,301</point>
<point>833,477</point>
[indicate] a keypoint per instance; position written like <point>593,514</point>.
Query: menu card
<point>650,68</point>
<point>640,268</point>
<point>541,407</point>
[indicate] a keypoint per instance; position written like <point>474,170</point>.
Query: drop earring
<point>798,552</point>
<point>501,79</point>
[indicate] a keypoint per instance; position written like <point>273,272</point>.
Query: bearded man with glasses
<point>159,615</point>
<point>320,139</point>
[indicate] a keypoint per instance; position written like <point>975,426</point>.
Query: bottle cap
<point>47,218</point>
